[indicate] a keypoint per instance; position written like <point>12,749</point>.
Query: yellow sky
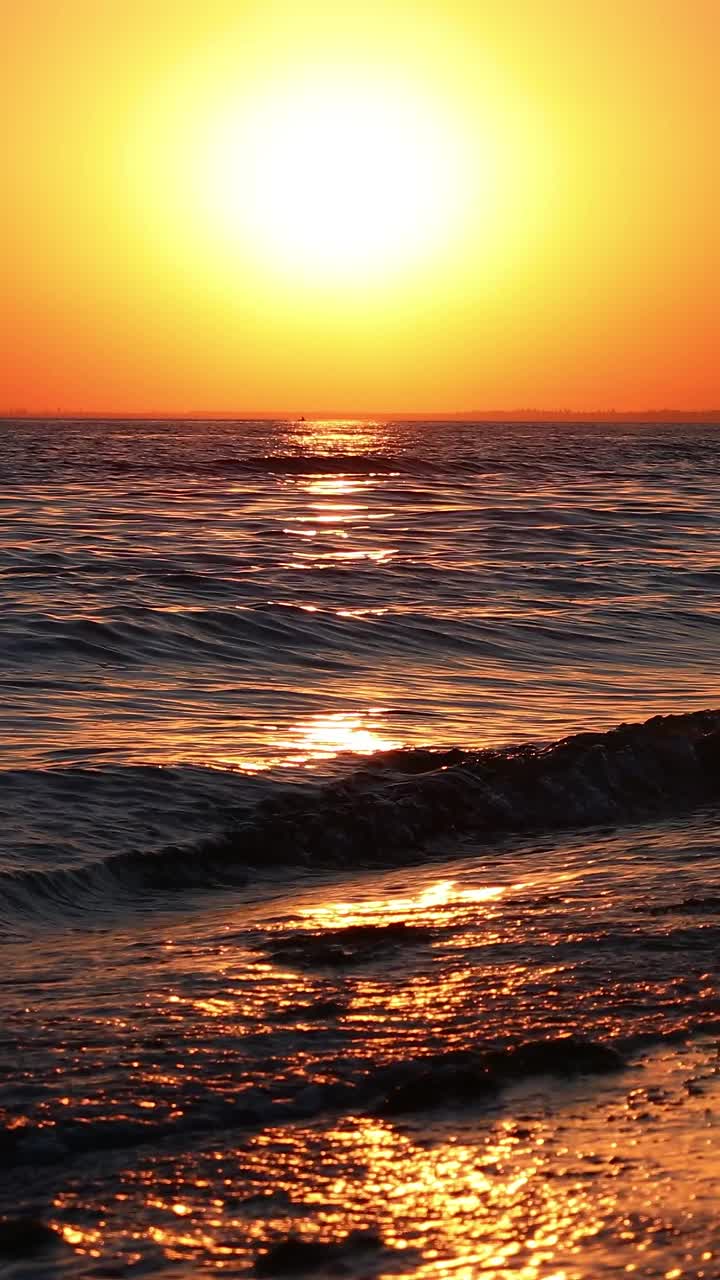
<point>401,206</point>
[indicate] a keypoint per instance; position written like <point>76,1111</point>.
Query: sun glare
<point>337,181</point>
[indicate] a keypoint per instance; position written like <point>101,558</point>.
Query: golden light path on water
<point>320,738</point>
<point>574,1188</point>
<point>515,1202</point>
<point>334,507</point>
<point>431,903</point>
<point>567,1179</point>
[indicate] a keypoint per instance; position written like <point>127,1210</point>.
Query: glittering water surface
<point>268,964</point>
<point>183,1093</point>
<point>274,593</point>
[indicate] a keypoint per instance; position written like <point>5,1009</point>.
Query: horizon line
<point>467,415</point>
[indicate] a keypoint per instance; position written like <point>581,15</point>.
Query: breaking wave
<point>388,812</point>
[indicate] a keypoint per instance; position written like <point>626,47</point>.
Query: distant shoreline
<point>709,417</point>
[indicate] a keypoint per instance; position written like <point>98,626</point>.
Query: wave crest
<point>388,811</point>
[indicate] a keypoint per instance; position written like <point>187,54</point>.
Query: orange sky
<point>389,205</point>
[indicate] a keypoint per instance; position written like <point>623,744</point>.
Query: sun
<point>336,181</point>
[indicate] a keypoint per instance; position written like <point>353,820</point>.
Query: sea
<point>359,854</point>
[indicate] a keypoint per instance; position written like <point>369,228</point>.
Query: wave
<point>390,810</point>
<point>274,634</point>
<point>362,464</point>
<point>474,1077</point>
<point>274,464</point>
<point>299,464</point>
<point>469,1077</point>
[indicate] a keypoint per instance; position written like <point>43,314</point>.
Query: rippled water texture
<point>259,594</point>
<point>252,1074</point>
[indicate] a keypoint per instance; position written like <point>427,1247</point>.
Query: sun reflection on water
<point>502,1201</point>
<point>321,738</point>
<point>570,1179</point>
<point>340,435</point>
<point>335,510</point>
<point>432,903</point>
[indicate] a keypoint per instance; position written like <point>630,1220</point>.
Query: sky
<point>386,206</point>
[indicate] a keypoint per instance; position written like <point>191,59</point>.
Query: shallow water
<point>183,1091</point>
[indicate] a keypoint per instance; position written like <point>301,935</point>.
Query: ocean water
<point>344,930</point>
